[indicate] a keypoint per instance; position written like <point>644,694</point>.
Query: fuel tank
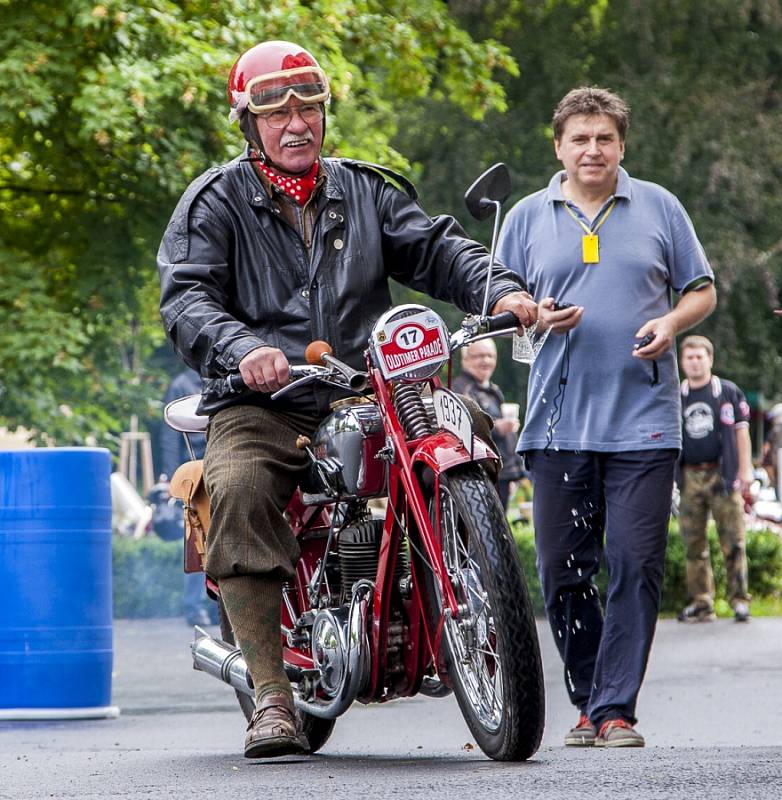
<point>353,435</point>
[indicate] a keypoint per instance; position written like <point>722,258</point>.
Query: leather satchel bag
<point>187,484</point>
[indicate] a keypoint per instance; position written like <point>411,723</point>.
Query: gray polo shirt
<point>648,247</point>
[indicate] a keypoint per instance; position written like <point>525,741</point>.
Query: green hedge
<point>148,577</point>
<point>764,558</point>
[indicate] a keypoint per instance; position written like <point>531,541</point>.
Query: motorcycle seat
<point>180,414</point>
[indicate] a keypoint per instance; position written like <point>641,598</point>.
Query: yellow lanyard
<point>590,243</point>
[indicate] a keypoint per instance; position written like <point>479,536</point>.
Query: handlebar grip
<point>236,382</point>
<point>499,322</point>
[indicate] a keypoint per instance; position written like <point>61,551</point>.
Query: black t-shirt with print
<point>700,434</point>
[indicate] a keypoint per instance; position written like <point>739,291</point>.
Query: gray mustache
<point>288,139</point>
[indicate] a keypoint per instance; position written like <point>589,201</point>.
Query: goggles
<point>274,89</point>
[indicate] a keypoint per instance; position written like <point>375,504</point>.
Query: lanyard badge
<point>590,241</point>
<point>590,248</point>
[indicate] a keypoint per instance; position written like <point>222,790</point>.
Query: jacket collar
<point>333,189</point>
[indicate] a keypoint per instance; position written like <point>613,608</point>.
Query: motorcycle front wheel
<point>317,730</point>
<point>490,647</point>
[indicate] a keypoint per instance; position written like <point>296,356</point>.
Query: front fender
<point>442,450</point>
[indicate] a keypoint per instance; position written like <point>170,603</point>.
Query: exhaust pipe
<point>225,662</point>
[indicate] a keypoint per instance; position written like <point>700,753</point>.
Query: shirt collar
<point>623,186</point>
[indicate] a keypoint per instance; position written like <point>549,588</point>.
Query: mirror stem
<point>495,235</point>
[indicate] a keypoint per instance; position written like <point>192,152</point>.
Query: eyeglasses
<point>281,117</point>
<point>274,89</point>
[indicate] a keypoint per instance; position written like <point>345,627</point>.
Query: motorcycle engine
<point>329,648</point>
<point>359,552</point>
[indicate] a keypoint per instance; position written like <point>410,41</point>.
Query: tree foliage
<point>707,91</point>
<point>110,108</point>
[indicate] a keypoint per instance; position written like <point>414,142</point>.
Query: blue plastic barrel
<point>55,581</point>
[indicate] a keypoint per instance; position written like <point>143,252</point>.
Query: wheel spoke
<point>488,652</point>
<point>479,596</point>
<point>478,662</point>
<point>487,681</point>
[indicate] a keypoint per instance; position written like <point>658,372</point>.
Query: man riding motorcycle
<point>263,255</point>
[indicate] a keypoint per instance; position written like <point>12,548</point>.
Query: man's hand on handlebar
<point>265,369</point>
<point>519,303</point>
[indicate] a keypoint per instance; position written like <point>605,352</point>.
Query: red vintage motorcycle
<point>409,580</point>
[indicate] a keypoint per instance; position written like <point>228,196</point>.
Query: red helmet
<point>268,75</point>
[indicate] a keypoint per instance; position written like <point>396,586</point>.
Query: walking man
<point>602,429</point>
<point>715,471</point>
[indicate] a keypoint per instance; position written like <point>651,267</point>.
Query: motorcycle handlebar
<point>320,353</point>
<point>354,380</point>
<point>236,381</point>
<point>499,322</point>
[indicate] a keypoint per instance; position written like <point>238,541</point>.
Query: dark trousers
<point>503,490</point>
<point>586,505</point>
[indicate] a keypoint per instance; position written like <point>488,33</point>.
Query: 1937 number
<point>452,412</point>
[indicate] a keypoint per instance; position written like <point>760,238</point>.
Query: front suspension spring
<point>411,411</point>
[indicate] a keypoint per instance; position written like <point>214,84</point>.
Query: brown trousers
<point>251,470</point>
<point>700,495</point>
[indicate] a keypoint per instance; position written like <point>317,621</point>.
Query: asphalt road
<point>710,711</point>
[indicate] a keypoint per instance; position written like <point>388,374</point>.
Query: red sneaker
<point>618,733</point>
<point>583,735</point>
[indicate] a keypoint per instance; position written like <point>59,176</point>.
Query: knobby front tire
<point>491,648</point>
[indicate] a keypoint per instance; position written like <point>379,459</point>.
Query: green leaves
<point>110,108</point>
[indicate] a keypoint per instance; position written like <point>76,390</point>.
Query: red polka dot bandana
<point>299,187</point>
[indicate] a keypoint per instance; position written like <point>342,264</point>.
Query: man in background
<point>772,445</point>
<point>198,609</point>
<point>715,471</point>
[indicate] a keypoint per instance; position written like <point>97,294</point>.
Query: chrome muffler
<point>225,662</point>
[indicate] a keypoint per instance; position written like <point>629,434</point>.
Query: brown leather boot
<point>272,730</point>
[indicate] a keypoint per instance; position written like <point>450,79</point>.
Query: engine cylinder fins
<point>359,553</point>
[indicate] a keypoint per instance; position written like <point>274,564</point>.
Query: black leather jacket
<point>235,276</point>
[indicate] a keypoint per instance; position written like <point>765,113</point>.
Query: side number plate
<point>452,415</point>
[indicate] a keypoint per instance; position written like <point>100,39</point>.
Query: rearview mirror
<point>493,186</point>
